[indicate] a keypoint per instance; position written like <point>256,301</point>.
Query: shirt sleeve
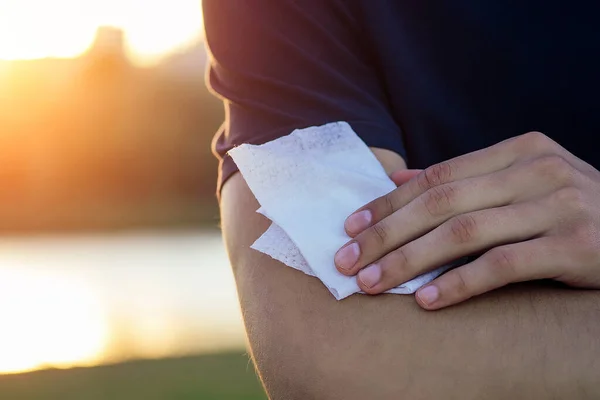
<point>281,65</point>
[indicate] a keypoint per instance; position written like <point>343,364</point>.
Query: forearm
<point>522,342</point>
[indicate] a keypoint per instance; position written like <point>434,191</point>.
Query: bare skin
<point>533,340</point>
<point>527,205</point>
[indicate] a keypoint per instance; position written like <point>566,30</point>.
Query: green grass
<point>219,376</point>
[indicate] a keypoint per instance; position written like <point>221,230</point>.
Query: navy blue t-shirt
<point>430,80</point>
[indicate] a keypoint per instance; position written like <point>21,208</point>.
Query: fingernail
<point>429,294</point>
<point>359,221</point>
<point>370,275</point>
<point>347,256</point>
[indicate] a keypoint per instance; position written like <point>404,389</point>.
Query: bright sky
<point>65,28</point>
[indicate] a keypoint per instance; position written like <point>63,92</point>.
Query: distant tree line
<point>100,144</point>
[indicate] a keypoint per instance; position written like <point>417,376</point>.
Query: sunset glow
<point>70,301</point>
<point>92,151</point>
<point>47,321</point>
<point>65,28</point>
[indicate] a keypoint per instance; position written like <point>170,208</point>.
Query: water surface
<point>88,299</point>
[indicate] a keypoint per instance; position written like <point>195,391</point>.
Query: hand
<point>529,207</point>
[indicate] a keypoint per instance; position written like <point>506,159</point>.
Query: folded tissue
<point>307,184</point>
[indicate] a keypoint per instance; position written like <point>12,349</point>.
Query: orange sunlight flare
<point>48,321</point>
<point>32,29</point>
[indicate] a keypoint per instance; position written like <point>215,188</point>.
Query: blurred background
<point>114,282</point>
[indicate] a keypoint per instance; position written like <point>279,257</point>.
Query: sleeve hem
<point>386,139</point>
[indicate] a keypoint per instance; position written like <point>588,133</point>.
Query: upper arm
<point>281,65</point>
<point>521,342</point>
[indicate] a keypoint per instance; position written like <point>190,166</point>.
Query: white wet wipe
<point>307,184</point>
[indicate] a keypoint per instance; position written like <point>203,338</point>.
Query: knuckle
<point>586,234</point>
<point>463,228</point>
<point>380,232</point>
<point>439,200</point>
<point>555,168</point>
<point>459,284</point>
<point>535,142</point>
<point>503,263</point>
<point>389,203</point>
<point>402,259</point>
<point>571,199</point>
<point>435,175</point>
<point>589,253</point>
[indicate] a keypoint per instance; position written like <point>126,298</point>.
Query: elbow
<point>290,345</point>
<point>285,357</point>
<point>296,372</point>
<point>286,374</point>
<point>298,358</point>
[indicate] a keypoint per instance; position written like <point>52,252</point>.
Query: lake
<point>99,298</point>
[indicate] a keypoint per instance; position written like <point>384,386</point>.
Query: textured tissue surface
<point>307,184</point>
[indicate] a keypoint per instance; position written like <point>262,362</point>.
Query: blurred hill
<point>98,143</point>
<point>226,376</point>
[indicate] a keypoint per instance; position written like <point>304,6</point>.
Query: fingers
<point>492,159</point>
<point>419,217</point>
<point>460,236</point>
<point>521,182</point>
<point>480,162</point>
<point>363,218</point>
<point>541,258</point>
